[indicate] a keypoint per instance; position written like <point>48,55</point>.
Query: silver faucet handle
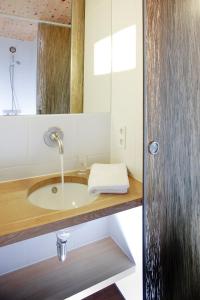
<point>52,135</point>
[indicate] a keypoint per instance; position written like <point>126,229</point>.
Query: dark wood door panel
<point>172,177</point>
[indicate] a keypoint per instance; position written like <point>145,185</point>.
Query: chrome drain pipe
<point>62,239</point>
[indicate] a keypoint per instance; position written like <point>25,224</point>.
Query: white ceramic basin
<point>51,197</point>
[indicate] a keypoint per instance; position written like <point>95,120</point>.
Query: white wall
<point>127,113</point>
<point>24,153</point>
<point>125,228</point>
<point>127,84</point>
<point>97,62</point>
<point>25,75</point>
<point>114,73</point>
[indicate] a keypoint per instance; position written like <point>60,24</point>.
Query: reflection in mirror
<point>18,48</point>
<point>53,69</point>
<point>41,57</point>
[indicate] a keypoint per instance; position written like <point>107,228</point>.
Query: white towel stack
<point>108,178</point>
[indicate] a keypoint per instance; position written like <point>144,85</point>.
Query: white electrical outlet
<point>122,137</point>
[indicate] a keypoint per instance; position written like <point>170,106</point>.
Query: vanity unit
<point>20,219</point>
<point>86,266</point>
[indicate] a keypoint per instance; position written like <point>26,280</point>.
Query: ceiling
<point>19,30</point>
<point>47,10</point>
<point>58,11</point>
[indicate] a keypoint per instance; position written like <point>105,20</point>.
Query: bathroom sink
<point>51,195</point>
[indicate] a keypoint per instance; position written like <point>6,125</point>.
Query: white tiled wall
<point>23,152</point>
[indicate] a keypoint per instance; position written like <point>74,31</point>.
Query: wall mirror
<point>47,57</point>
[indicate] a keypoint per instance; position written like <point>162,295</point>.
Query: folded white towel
<point>108,178</point>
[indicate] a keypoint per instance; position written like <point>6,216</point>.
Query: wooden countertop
<point>20,220</point>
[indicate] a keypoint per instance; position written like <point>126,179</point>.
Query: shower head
<point>12,49</point>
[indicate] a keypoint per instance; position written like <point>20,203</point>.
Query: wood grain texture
<point>77,57</point>
<point>172,182</point>
<point>53,69</point>
<point>50,279</point>
<point>19,219</point>
<point>109,293</point>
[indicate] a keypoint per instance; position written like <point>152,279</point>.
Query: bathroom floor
<point>109,293</point>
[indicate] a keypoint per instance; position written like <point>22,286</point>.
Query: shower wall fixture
<point>13,106</point>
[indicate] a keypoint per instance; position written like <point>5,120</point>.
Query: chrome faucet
<point>54,137</point>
